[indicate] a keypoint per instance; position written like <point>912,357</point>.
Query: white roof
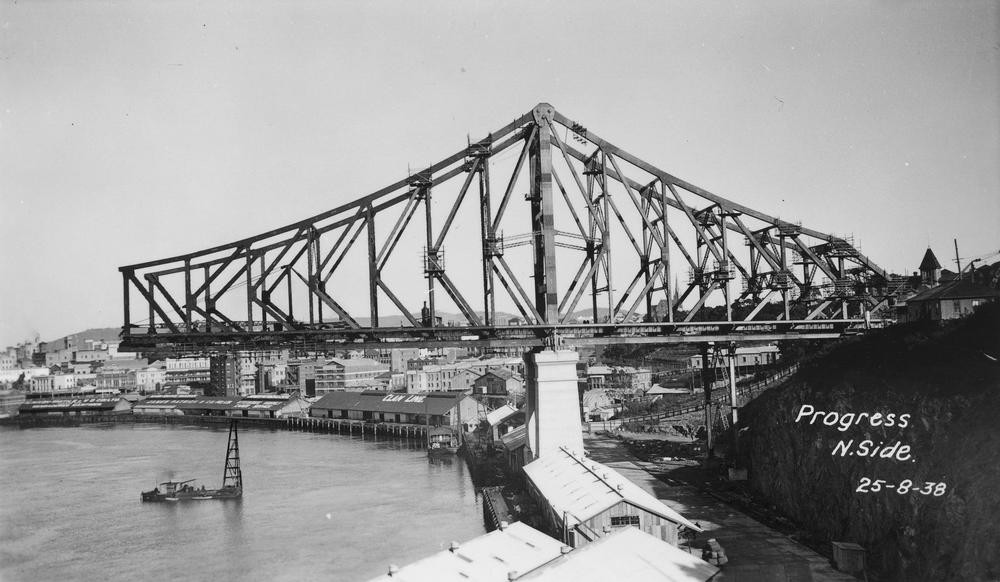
<point>657,389</point>
<point>516,437</point>
<point>581,488</point>
<point>627,554</point>
<point>501,414</point>
<point>489,557</point>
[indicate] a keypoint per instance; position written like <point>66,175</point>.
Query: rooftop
<point>71,404</point>
<point>515,438</point>
<point>424,403</point>
<point>930,262</point>
<point>956,289</point>
<point>493,556</point>
<point>627,554</point>
<point>581,488</point>
<point>501,414</point>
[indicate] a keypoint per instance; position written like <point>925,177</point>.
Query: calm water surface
<point>314,507</point>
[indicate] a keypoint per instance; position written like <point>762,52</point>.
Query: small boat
<point>442,441</point>
<point>232,480</point>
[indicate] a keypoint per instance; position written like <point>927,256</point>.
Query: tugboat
<point>442,441</point>
<point>232,480</point>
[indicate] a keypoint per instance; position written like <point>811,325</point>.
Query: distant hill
<point>79,339</point>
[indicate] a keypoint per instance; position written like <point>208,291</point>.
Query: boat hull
<point>159,496</point>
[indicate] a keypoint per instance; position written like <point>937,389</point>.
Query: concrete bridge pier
<point>553,404</point>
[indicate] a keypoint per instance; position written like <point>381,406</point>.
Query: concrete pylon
<point>553,407</point>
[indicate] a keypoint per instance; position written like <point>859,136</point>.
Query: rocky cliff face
<point>946,381</point>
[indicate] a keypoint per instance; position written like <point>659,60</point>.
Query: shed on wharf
<point>428,408</point>
<point>82,406</point>
<point>582,500</point>
<point>268,406</point>
<point>184,405</point>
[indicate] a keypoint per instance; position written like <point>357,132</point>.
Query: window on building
<point>623,520</point>
<point>956,306</point>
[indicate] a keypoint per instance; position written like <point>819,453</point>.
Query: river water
<point>314,507</point>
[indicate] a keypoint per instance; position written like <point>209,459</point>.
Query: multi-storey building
<point>53,383</point>
<point>97,355</point>
<point>187,371</point>
<point>60,356</point>
<point>455,376</point>
<point>339,374</point>
<point>499,386</point>
<point>302,374</point>
<point>224,376</point>
<point>120,375</point>
<point>150,378</point>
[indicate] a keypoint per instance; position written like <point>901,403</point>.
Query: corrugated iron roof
<point>581,488</point>
<point>195,403</point>
<point>502,373</point>
<point>263,403</point>
<point>489,557</point>
<point>495,417</point>
<point>627,554</point>
<point>423,403</point>
<point>516,438</point>
<point>70,404</point>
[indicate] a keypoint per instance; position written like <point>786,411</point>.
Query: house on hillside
<point>951,300</point>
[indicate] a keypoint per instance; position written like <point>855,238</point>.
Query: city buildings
<point>746,356</point>
<point>339,374</point>
<point>53,383</point>
<point>457,376</point>
<point>952,300</point>
<point>187,371</point>
<point>499,386</point>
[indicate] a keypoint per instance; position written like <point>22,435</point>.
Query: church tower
<point>930,269</point>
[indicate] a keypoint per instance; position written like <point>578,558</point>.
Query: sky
<point>140,130</point>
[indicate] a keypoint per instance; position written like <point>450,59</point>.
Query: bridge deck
<point>328,337</point>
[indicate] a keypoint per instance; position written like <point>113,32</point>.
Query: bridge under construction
<point>646,257</point>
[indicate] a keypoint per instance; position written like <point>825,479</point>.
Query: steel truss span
<point>549,230</point>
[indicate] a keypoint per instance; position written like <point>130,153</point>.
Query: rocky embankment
<point>935,514</point>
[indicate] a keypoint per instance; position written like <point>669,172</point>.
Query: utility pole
<point>958,261</point>
<point>706,381</point>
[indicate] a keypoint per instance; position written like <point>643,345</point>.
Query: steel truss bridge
<point>543,219</point>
